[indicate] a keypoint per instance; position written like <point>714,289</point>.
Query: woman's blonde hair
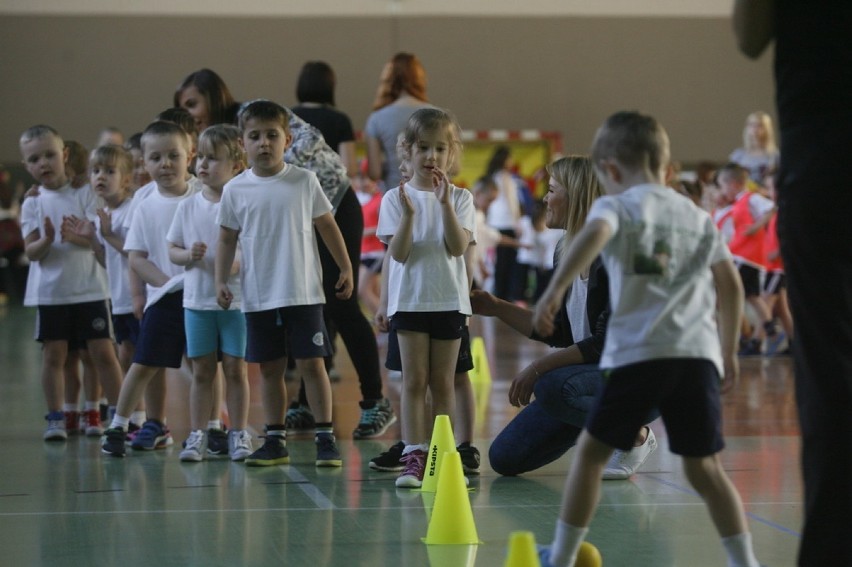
<point>766,120</point>
<point>577,176</point>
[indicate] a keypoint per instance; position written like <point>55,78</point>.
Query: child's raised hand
<point>197,251</point>
<point>405,201</point>
<point>441,185</point>
<point>106,222</point>
<point>77,231</point>
<point>31,192</point>
<point>49,229</point>
<point>545,311</point>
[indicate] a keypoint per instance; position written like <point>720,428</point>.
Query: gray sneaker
<point>327,453</point>
<point>194,447</point>
<point>239,444</point>
<point>299,418</point>
<point>375,420</point>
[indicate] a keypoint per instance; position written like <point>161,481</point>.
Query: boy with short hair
<point>667,265</point>
<point>162,340</point>
<point>272,209</point>
<point>69,287</point>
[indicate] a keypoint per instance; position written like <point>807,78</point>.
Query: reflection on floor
<point>66,504</point>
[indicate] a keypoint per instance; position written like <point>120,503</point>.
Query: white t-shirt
<point>661,287</point>
<point>195,221</point>
<point>505,210</point>
<point>117,264</point>
<point>431,279</point>
<point>152,218</point>
<point>280,264</point>
<point>195,185</point>
<point>487,238</point>
<point>69,273</point>
<point>575,306</point>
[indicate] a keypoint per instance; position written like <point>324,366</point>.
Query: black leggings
<point>345,315</point>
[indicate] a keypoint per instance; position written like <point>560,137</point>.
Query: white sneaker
<point>239,444</point>
<point>624,463</point>
<point>55,427</point>
<point>194,448</point>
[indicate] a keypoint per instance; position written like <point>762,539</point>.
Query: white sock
<point>566,544</point>
<point>739,550</point>
<point>70,407</point>
<point>91,405</point>
<point>119,421</point>
<point>138,418</point>
<point>214,424</point>
<point>410,448</point>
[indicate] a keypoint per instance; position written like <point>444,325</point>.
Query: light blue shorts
<point>212,331</point>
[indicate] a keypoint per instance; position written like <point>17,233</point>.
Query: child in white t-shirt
<point>193,238</point>
<point>272,210</point>
<point>162,339</point>
<point>69,287</point>
<point>667,268</point>
<point>428,224</point>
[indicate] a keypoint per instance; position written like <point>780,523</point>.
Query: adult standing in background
<point>402,90</point>
<point>813,79</point>
<point>504,214</point>
<point>759,154</point>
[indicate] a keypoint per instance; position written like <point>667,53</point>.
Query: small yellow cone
<point>588,556</point>
<point>443,441</point>
<point>522,551</point>
<point>451,555</point>
<point>481,372</point>
<point>452,516</point>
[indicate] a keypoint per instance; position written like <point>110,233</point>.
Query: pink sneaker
<point>412,474</point>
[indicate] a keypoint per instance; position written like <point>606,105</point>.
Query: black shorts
<point>775,282</point>
<point>373,264</point>
<point>298,330</point>
<point>162,338</point>
<point>74,322</point>
<point>464,363</point>
<point>126,328</point>
<point>750,277</point>
<point>686,392</point>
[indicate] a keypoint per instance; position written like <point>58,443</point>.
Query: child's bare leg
<point>106,369</point>
<point>763,312</point>
<point>463,423</point>
<point>713,485</point>
<point>155,394</point>
<point>218,393</point>
<point>237,391</point>
<point>783,311</point>
<point>201,392</point>
<point>317,387</point>
<point>413,351</point>
<point>443,356</point>
<point>274,390</point>
<point>583,486</point>
<point>126,350</point>
<point>53,355</point>
<point>71,375</point>
<point>136,385</point>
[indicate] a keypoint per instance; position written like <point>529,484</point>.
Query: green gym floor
<point>63,503</point>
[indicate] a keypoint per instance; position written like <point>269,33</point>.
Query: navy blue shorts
<point>298,330</point>
<point>74,322</point>
<point>686,392</point>
<point>464,363</point>
<point>162,339</point>
<point>126,328</point>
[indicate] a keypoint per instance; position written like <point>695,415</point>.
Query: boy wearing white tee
<point>162,340</point>
<point>69,287</point>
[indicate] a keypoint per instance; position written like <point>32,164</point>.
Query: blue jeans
<point>544,430</point>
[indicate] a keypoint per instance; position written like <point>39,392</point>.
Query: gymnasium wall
<point>549,71</point>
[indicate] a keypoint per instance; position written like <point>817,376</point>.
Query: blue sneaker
<point>55,427</point>
<point>112,442</point>
<point>153,435</point>
<point>327,452</point>
<point>217,442</point>
<point>544,555</point>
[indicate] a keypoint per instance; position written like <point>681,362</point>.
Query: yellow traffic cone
<point>588,556</point>
<point>481,371</point>
<point>443,441</point>
<point>452,516</point>
<point>522,551</point>
<point>451,555</point>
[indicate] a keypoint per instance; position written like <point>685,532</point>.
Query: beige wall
<point>562,73</point>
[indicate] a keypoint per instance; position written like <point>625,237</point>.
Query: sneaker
<point>55,426</point>
<point>412,475</point>
<point>544,555</point>
<point>72,422</point>
<point>469,458</point>
<point>774,342</point>
<point>193,447</point>
<point>749,347</point>
<point>152,435</point>
<point>92,423</point>
<point>625,463</point>
<point>299,418</point>
<point>327,453</point>
<point>132,431</point>
<point>112,442</point>
<point>217,442</point>
<point>272,452</point>
<point>239,444</point>
<point>375,420</point>
<point>390,460</point>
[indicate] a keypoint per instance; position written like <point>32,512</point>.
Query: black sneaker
<point>469,458</point>
<point>375,420</point>
<point>299,418</point>
<point>327,453</point>
<point>112,442</point>
<point>217,442</point>
<point>272,452</point>
<point>389,461</point>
